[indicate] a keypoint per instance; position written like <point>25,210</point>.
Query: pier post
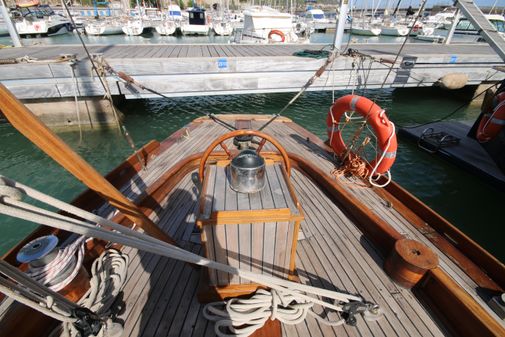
<point>10,25</point>
<point>453,26</point>
<point>342,17</point>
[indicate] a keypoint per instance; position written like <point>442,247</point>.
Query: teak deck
<point>159,298</point>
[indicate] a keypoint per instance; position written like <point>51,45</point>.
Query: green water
<point>471,204</point>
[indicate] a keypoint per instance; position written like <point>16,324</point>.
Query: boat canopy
<point>36,11</point>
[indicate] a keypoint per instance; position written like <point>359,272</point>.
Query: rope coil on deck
<point>242,317</point>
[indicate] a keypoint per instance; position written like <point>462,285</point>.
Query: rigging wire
<point>105,86</point>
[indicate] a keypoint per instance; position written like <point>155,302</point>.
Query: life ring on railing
<point>376,118</point>
<point>278,33</point>
<point>492,122</point>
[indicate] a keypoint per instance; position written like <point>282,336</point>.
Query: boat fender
<point>376,118</point>
<point>492,122</point>
<point>278,33</point>
<point>452,81</point>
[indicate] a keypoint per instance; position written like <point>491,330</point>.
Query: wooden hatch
<point>252,231</point>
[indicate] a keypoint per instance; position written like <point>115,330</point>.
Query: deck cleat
<point>369,311</point>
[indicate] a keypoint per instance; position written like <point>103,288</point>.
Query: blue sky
<point>415,3</point>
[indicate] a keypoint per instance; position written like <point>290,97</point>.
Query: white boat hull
<point>42,28</point>
<point>366,31</point>
<point>394,31</point>
<point>134,28</point>
<point>430,38</point>
<point>166,28</point>
<point>187,29</point>
<point>222,28</point>
<point>97,30</point>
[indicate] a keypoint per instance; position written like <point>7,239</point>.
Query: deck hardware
<point>351,309</point>
<point>432,141</point>
<point>88,323</point>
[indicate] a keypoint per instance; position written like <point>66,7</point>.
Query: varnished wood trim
<point>249,117</point>
<point>464,316</point>
<point>249,216</point>
<point>449,246</point>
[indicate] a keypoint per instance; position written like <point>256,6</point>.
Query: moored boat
<point>196,23</point>
<point>326,229</point>
<point>103,27</point>
<point>263,24</point>
<point>366,30</point>
<point>33,19</point>
<point>394,30</point>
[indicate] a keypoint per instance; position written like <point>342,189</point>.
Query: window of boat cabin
<point>318,16</point>
<point>196,17</point>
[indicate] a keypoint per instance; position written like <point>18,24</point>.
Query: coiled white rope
<point>107,230</point>
<point>108,275</point>
<point>242,317</point>
<point>66,258</point>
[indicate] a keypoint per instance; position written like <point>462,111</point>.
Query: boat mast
<point>396,8</point>
<point>10,26</point>
<point>342,17</point>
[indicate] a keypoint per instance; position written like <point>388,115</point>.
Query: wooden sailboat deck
<point>159,298</point>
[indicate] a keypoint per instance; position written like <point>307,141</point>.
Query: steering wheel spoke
<point>226,150</point>
<point>260,145</point>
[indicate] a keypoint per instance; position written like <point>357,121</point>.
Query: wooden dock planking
<point>180,70</point>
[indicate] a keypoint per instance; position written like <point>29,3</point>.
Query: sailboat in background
<point>170,20</point>
<point>100,26</point>
<point>221,22</point>
<point>391,26</point>
<point>364,26</point>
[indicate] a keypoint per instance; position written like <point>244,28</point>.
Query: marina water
<point>471,204</point>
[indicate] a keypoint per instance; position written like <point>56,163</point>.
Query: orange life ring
<point>376,118</point>
<point>278,33</point>
<point>492,122</point>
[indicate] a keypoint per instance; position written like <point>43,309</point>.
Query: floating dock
<point>224,69</point>
<point>468,153</point>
